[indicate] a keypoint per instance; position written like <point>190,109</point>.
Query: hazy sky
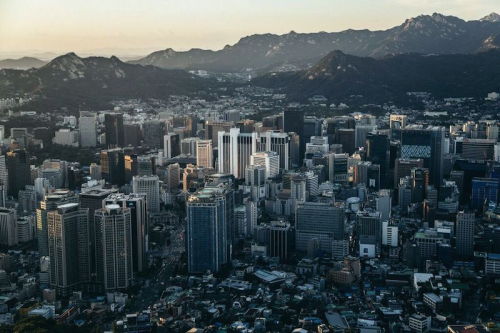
<point>135,27</point>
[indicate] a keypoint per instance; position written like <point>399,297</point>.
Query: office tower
<point>131,167</point>
<point>173,177</point>
<point>188,146</point>
<point>25,229</point>
<point>252,216</point>
<point>390,234</point>
<point>403,167</point>
<point>396,123</point>
<point>138,225</point>
<point>149,185</point>
<point>208,229</point>
<point>312,183</point>
<point>235,149</point>
<point>293,121</point>
<point>279,239</point>
<point>369,224</point>
<point>113,126</point>
<point>146,165</point>
<point>4,174</point>
<point>465,234</point>
<point>27,200</point>
<point>18,170</point>
<point>317,144</point>
<point>320,221</point>
<point>419,182</point>
<point>204,154</point>
<point>232,116</point>
<point>427,144</point>
<point>361,132</point>
<point>8,227</point>
<point>152,133</point>
<point>346,137</point>
<point>279,143</point>
<point>212,130</point>
<point>95,171</point>
<point>2,133</point>
<point>132,135</point>
<point>88,129</point>
<point>383,204</point>
<point>69,248</point>
<point>404,194</point>
<point>114,247</point>
<point>255,181</point>
<point>49,203</point>
<point>377,152</point>
<point>476,149</point>
<point>55,171</point>
<point>338,167</point>
<point>171,145</point>
<point>484,191</point>
<point>298,188</point>
<point>113,166</point>
<point>269,160</point>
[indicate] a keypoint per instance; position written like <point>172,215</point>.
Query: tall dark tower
<point>113,123</point>
<point>113,166</point>
<point>377,152</point>
<point>293,121</point>
<point>18,169</point>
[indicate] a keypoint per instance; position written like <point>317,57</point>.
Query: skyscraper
<point>171,145</point>
<point>269,160</point>
<point>255,181</point>
<point>18,169</point>
<point>114,247</point>
<point>279,143</point>
<point>88,129</point>
<point>149,185</point>
<point>377,152</point>
<point>204,154</point>
<point>152,133</point>
<point>113,166</point>
<point>465,234</point>
<point>427,144</point>
<point>49,203</point>
<point>113,123</point>
<point>235,149</point>
<point>321,221</point>
<point>8,228</point>
<point>208,230</point>
<point>69,248</point>
<point>338,167</point>
<point>293,121</point>
<point>138,225</point>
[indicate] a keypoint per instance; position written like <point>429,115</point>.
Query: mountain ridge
<point>436,33</point>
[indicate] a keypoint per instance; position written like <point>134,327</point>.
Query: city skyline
<point>52,27</point>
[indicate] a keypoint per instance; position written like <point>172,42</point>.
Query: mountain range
<point>427,34</point>
<point>341,77</point>
<point>22,63</point>
<point>69,80</point>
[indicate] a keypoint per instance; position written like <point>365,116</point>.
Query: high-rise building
<point>320,221</point>
<point>204,154</point>
<point>173,177</point>
<point>149,185</point>
<point>338,168</point>
<point>88,129</point>
<point>235,149</point>
<point>427,144</point>
<point>465,234</point>
<point>4,174</point>
<point>113,166</point>
<point>208,229</point>
<point>390,234</point>
<point>69,248</point>
<point>114,247</point>
<point>377,152</point>
<point>212,130</point>
<point>8,227</point>
<point>396,123</point>
<point>50,203</point>
<point>113,123</point>
<point>138,225</point>
<point>152,133</point>
<point>361,133</point>
<point>279,143</point>
<point>188,146</point>
<point>18,170</point>
<point>269,160</point>
<point>171,145</point>
<point>132,135</point>
<point>419,182</point>
<point>484,190</point>
<point>146,165</point>
<point>347,138</point>
<point>403,167</point>
<point>293,121</point>
<point>255,180</point>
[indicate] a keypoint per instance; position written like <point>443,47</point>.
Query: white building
<point>235,149</point>
<point>149,185</point>
<point>204,154</point>
<point>66,137</point>
<point>88,129</point>
<point>269,160</point>
<point>390,234</point>
<point>419,323</point>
